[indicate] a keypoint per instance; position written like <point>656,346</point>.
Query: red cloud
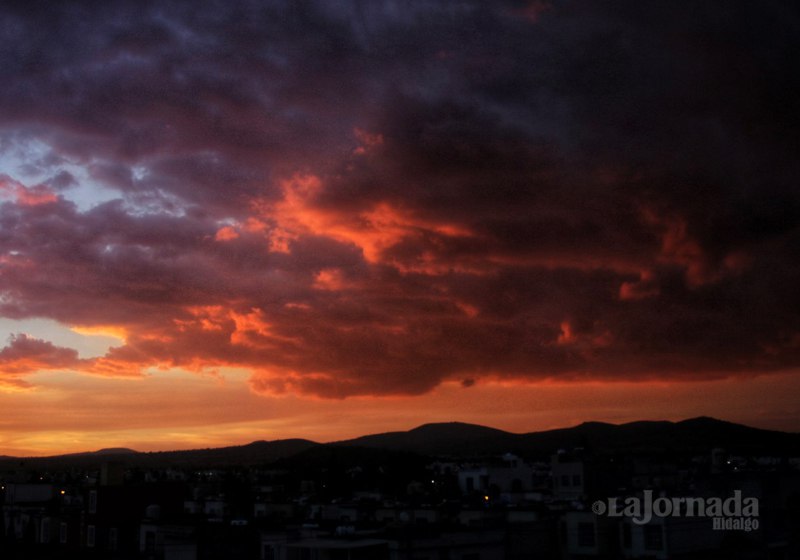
<point>28,196</point>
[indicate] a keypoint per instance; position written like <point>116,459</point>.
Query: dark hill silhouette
<point>435,439</point>
<point>113,451</point>
<point>258,452</point>
<point>456,439</point>
<point>693,435</point>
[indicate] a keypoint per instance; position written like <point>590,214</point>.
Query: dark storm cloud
<point>372,197</point>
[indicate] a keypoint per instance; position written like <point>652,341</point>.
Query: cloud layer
<point>369,198</point>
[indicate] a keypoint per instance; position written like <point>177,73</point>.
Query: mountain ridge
<point>462,439</point>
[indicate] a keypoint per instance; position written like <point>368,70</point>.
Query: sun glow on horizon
<point>199,412</point>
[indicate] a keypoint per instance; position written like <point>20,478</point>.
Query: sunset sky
<point>230,221</point>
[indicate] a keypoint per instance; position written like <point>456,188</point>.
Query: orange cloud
<point>374,230</point>
<point>226,233</point>
<point>25,355</point>
<point>112,331</point>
